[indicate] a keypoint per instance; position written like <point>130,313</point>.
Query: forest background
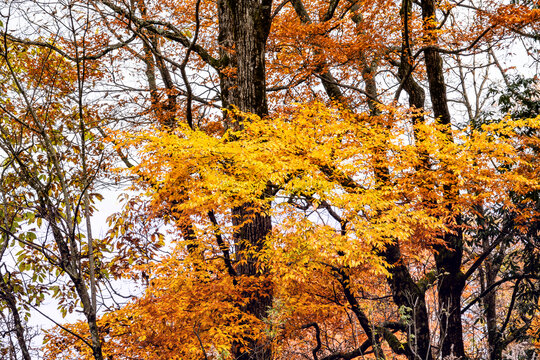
<point>301,179</point>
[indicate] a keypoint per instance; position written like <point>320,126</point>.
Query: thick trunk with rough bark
<point>244,26</point>
<point>407,295</point>
<point>451,283</point>
<point>448,257</point>
<point>411,298</point>
<point>251,234</point>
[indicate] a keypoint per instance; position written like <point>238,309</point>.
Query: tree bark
<point>409,296</point>
<point>6,294</point>
<point>70,263</point>
<point>448,256</point>
<point>243,30</point>
<point>244,26</point>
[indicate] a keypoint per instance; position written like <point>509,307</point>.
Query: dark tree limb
<point>189,97</point>
<point>497,283</point>
<point>222,246</point>
<point>317,337</point>
<point>166,30</point>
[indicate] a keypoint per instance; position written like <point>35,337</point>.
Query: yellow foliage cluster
<point>314,171</point>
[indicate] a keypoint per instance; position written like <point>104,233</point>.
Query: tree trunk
<point>6,294</point>
<point>490,307</point>
<point>405,292</point>
<point>448,257</point>
<point>409,296</point>
<point>91,317</point>
<point>70,263</point>
<point>244,26</point>
<point>488,276</point>
<point>451,283</point>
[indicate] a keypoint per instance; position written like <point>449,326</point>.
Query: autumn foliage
<point>300,179</point>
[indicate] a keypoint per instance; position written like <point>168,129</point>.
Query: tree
<point>51,159</point>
